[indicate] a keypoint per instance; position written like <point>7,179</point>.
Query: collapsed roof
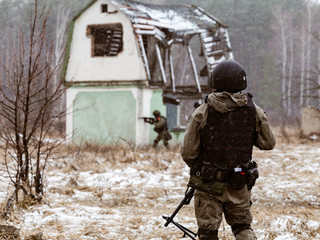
<point>178,19</point>
<point>169,36</point>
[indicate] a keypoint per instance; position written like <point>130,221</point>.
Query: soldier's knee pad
<point>205,234</point>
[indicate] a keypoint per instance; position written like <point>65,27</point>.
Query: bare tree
<point>281,27</point>
<point>309,6</point>
<point>318,69</point>
<point>316,36</point>
<point>29,94</point>
<point>291,67</point>
<point>302,71</point>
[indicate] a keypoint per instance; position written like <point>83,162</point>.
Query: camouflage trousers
<point>236,207</point>
<point>159,138</point>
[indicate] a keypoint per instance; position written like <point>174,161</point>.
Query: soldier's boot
<point>155,144</point>
<point>205,234</point>
<point>246,235</point>
<point>243,232</point>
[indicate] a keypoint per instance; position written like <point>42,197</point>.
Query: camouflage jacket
<point>160,125</point>
<point>223,102</point>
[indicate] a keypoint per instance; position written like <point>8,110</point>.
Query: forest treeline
<point>277,42</point>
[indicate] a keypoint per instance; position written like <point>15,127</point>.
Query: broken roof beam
<point>143,26</point>
<point>171,69</point>
<point>163,74</point>
<point>145,32</point>
<point>204,52</point>
<point>194,68</point>
<point>152,23</point>
<point>229,44</point>
<point>214,53</point>
<point>209,15</point>
<point>207,40</point>
<point>158,34</point>
<point>144,56</point>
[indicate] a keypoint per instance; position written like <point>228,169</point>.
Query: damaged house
<point>126,59</point>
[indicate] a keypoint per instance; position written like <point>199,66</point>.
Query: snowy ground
<point>122,195</point>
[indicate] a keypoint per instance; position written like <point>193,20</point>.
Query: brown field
<point>121,193</point>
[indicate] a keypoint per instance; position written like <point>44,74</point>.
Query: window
<point>106,39</point>
<point>172,116</point>
<point>104,8</point>
<point>173,112</point>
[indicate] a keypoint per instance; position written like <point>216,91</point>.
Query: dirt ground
<point>122,193</point>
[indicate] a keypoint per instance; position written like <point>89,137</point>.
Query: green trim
<point>67,52</point>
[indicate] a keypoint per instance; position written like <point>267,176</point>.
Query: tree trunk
<point>318,72</point>
<point>308,54</point>
<point>284,60</point>
<point>291,39</point>
<point>302,67</point>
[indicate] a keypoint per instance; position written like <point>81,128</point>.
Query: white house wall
<point>126,66</point>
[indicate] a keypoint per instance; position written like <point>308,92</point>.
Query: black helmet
<point>229,76</point>
<point>156,113</point>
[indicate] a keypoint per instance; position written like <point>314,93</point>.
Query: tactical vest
<point>227,139</point>
<point>164,127</point>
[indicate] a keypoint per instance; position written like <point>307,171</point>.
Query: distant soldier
<point>161,127</point>
<point>218,148</point>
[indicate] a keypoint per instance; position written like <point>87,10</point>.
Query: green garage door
<point>104,117</point>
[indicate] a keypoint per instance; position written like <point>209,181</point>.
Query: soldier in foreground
<point>218,148</point>
<point>160,127</point>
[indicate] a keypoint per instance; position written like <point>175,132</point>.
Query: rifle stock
<point>186,231</point>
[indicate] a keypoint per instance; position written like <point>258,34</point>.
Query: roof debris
<point>177,24</point>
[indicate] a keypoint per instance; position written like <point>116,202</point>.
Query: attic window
<point>106,39</point>
<point>104,8</point>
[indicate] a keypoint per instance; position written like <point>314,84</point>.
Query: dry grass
<point>89,195</point>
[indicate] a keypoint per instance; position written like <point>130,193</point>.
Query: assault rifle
<point>185,201</point>
<point>148,119</point>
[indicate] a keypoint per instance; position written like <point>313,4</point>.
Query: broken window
<point>106,39</point>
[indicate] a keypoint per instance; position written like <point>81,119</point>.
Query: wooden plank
<point>194,67</point>
<point>213,53</point>
<point>208,39</point>
<point>144,56</point>
<point>163,74</point>
<point>145,32</point>
<point>153,23</point>
<point>143,26</point>
<point>173,79</point>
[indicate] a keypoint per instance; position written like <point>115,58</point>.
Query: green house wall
<point>104,117</point>
<point>110,116</point>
